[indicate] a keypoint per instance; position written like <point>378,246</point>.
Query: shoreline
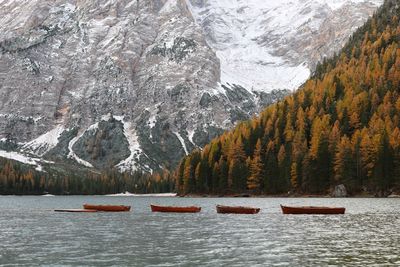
<point>176,195</point>
<point>282,196</point>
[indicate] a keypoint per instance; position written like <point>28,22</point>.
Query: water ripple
<point>31,234</point>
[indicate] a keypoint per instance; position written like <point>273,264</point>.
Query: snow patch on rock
<point>129,163</point>
<point>153,117</point>
<point>24,159</point>
<point>45,142</point>
<point>71,143</point>
<point>169,6</point>
<point>182,142</point>
<point>190,136</point>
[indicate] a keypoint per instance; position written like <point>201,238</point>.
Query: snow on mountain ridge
<point>252,38</point>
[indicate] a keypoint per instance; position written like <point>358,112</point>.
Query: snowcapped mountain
<point>268,45</point>
<point>137,84</point>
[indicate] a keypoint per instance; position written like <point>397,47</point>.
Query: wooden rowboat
<point>237,209</point>
<point>312,210</point>
<point>188,209</point>
<point>107,208</point>
<point>75,210</point>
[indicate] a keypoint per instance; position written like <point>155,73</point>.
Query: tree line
<point>19,179</point>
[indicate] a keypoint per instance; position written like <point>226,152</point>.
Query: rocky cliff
<point>138,84</point>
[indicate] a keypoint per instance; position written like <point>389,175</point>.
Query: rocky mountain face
<point>264,45</point>
<point>138,84</point>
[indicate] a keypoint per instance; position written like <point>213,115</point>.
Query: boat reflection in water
<point>237,209</point>
<point>107,208</point>
<point>187,209</point>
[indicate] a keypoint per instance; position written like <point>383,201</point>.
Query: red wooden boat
<point>75,210</point>
<point>237,209</point>
<point>107,208</point>
<point>312,210</point>
<point>188,209</point>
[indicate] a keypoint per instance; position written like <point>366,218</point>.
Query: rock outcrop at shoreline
<point>339,191</point>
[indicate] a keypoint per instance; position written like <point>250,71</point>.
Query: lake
<point>32,234</point>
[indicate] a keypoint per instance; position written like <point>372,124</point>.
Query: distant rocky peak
<point>265,45</point>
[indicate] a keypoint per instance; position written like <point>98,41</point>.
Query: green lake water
<point>32,234</point>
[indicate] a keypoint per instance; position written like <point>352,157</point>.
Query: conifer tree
<point>294,176</point>
<point>188,177</point>
<point>223,175</point>
<point>256,170</point>
<point>344,165</point>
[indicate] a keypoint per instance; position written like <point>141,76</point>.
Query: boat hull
<point>189,209</point>
<point>312,210</point>
<point>237,210</point>
<point>107,208</point>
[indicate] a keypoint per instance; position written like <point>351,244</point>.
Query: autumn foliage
<point>340,127</point>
